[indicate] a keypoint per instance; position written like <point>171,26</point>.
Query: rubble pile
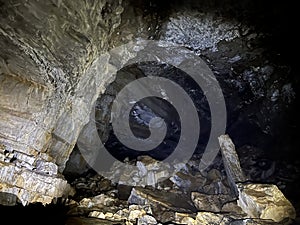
<point>221,195</point>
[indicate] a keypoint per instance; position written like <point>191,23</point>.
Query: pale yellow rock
<point>188,221</point>
<point>109,215</point>
<point>96,214</point>
<point>130,215</point>
<point>184,218</point>
<point>97,202</point>
<point>135,214</point>
<point>208,218</point>
<point>265,201</point>
<point>28,186</point>
<point>48,86</point>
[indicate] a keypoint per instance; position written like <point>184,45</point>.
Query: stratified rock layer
<point>20,184</point>
<point>48,83</point>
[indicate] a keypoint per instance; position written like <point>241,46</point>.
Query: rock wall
<point>47,48</point>
<point>50,75</point>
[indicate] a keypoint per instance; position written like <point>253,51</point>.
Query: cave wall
<point>46,91</point>
<point>51,73</point>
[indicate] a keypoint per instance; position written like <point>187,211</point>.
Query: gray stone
<point>211,203</point>
<point>233,208</point>
<point>176,201</point>
<point>146,219</point>
<point>199,31</point>
<point>46,167</point>
<point>98,202</point>
<point>231,162</point>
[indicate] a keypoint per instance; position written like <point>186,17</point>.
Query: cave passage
<point>58,58</point>
<point>148,108</point>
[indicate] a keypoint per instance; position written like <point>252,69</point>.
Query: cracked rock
<point>265,201</point>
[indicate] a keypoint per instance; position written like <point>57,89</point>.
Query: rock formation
<point>53,70</point>
<point>47,88</point>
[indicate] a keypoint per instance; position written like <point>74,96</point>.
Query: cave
<point>149,112</point>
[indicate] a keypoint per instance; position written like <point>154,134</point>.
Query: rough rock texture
<point>176,201</point>
<point>211,203</point>
<point>49,80</point>
<point>265,201</point>
<point>231,162</point>
<point>166,202</point>
<point>25,186</point>
<point>199,31</point>
<point>48,83</point>
<point>131,214</point>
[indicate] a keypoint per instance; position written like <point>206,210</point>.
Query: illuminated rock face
<point>265,201</point>
<point>50,76</point>
<point>47,49</point>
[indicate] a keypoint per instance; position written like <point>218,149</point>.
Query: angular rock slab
<point>175,201</point>
<point>231,162</point>
<point>265,201</point>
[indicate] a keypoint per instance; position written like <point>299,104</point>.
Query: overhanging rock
<point>47,86</point>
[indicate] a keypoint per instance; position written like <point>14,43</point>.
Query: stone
<point>186,28</point>
<point>46,67</point>
<point>29,186</point>
<point>233,208</point>
<point>231,162</point>
<point>208,218</point>
<point>187,182</point>
<point>148,172</point>
<point>146,219</point>
<point>211,203</point>
<point>46,167</point>
<point>48,83</point>
<point>176,201</point>
<point>97,214</point>
<point>184,218</point>
<point>123,191</point>
<point>164,215</point>
<point>101,201</point>
<point>181,180</point>
<point>135,214</point>
<point>255,222</point>
<point>142,168</point>
<point>131,215</point>
<point>265,201</point>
